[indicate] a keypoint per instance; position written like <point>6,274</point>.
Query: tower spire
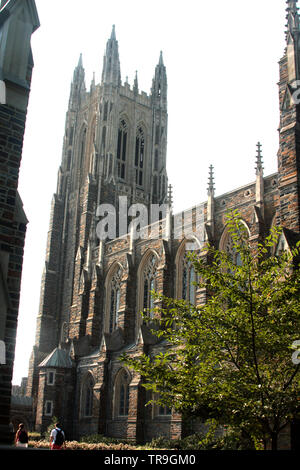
<point>159,86</point>
<point>111,73</point>
<point>78,85</point>
<point>113,33</point>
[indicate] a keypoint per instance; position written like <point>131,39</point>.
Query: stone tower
<point>114,150</point>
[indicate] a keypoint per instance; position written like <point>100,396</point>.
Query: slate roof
<point>57,358</point>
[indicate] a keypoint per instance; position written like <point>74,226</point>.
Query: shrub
<point>100,439</point>
<point>34,436</point>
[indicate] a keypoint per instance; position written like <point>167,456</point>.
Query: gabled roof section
<point>287,240</point>
<point>57,358</point>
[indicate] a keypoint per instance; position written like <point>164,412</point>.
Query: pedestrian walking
<point>57,438</point>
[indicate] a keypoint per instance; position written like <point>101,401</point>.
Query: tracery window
<point>149,275</point>
<point>229,248</point>
<point>227,245</point>
<point>122,148</point>
<point>87,396</point>
<point>139,156</point>
<point>121,398</point>
<point>114,300</point>
<point>188,292</point>
<point>156,159</point>
<point>82,147</point>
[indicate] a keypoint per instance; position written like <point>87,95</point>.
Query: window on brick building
<point>113,296</point>
<point>48,408</point>
<point>149,282</point>
<point>114,308</point>
<point>87,394</point>
<point>164,411</point>
<point>226,244</point>
<point>186,286</point>
<point>188,281</point>
<point>139,156</point>
<point>160,410</point>
<point>122,149</point>
<point>121,395</point>
<point>51,377</point>
<point>82,147</point>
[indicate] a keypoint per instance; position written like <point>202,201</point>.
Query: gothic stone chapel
<point>93,290</point>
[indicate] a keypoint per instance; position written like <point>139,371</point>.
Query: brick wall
<point>12,236</point>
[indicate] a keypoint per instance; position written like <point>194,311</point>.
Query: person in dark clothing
<point>21,438</point>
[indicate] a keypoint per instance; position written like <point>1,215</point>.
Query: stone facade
<point>18,20</point>
<point>94,290</point>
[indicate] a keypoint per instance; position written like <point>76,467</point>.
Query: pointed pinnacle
<point>259,161</point>
<point>136,83</point>
<point>80,61</point>
<point>211,187</point>
<point>170,195</point>
<point>113,33</point>
<point>161,62</point>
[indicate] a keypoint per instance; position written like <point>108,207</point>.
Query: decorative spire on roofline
<point>170,196</point>
<point>259,162</point>
<point>211,188</point>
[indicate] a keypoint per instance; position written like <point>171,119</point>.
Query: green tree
<point>231,358</point>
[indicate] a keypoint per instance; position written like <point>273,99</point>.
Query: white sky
<point>222,66</point>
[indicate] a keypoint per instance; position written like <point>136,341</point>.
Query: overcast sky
<point>222,66</point>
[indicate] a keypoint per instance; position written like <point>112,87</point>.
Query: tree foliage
<point>230,358</point>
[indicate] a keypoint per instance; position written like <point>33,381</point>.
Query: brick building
<point>93,290</point>
<point>18,20</point>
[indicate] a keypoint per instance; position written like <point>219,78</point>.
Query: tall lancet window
<point>149,284</point>
<point>229,248</point>
<point>188,280</point>
<point>82,147</point>
<point>114,300</point>
<point>87,396</point>
<point>122,149</point>
<point>139,156</point>
<point>227,245</point>
<point>121,394</point>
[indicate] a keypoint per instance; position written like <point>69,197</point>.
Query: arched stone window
<point>82,145</point>
<point>113,287</point>
<point>139,156</point>
<point>87,393</point>
<point>186,277</point>
<point>188,280</point>
<point>226,244</point>
<point>149,284</point>
<point>122,149</point>
<point>121,394</point>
